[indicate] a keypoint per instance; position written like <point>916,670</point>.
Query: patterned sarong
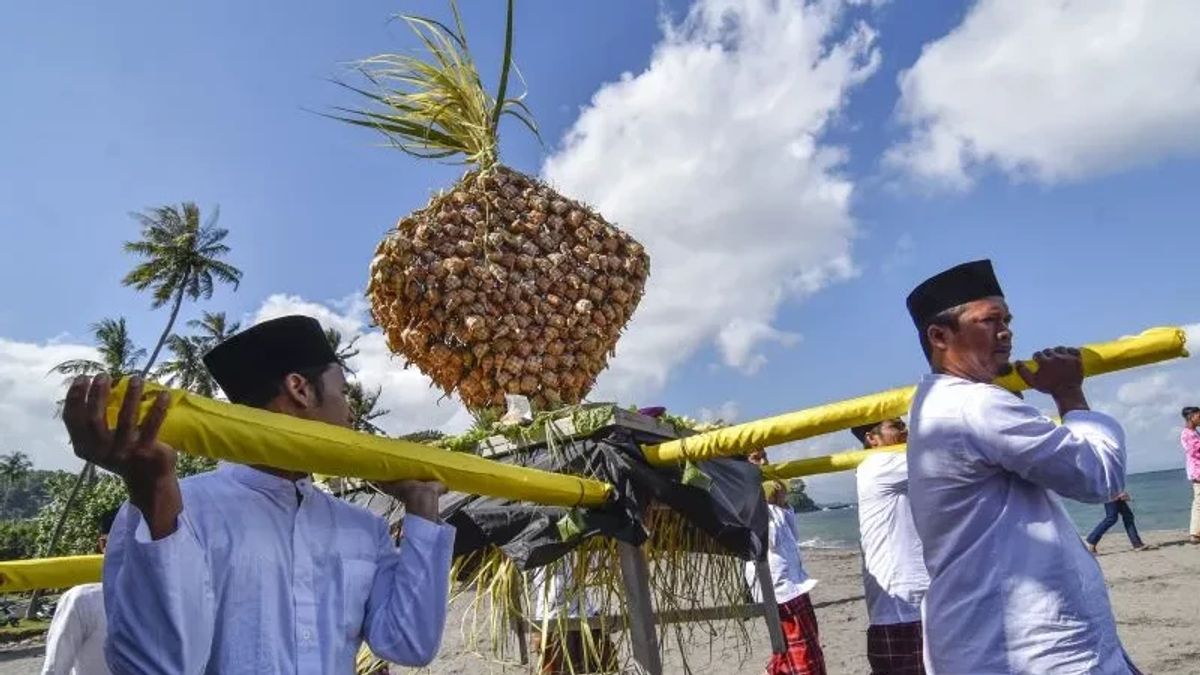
<point>895,649</point>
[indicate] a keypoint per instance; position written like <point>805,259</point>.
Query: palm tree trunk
<point>162,339</point>
<point>58,529</point>
<point>87,467</point>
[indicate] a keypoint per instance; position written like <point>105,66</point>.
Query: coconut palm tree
<point>363,407</point>
<point>14,467</point>
<point>344,351</point>
<point>213,328</point>
<point>118,357</point>
<point>183,260</point>
<point>186,368</point>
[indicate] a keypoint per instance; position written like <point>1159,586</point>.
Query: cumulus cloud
<point>414,404</point>
<point>27,400</point>
<point>727,412</point>
<point>714,158</point>
<point>1053,91</point>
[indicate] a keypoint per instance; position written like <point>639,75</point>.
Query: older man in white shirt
<point>253,569</point>
<point>1012,588</point>
<point>894,576</point>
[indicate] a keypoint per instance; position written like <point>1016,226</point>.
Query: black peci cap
<point>957,285</point>
<point>266,352</point>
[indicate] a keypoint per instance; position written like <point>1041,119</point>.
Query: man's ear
<point>298,390</point>
<point>938,336</point>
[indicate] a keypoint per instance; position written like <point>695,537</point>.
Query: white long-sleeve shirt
<point>1012,588</point>
<point>783,557</point>
<point>894,576</point>
<point>554,592</point>
<point>75,641</point>
<point>266,575</point>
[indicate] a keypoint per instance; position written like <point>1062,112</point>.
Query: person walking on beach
<point>1190,439</point>
<point>797,617</point>
<point>894,576</point>
<point>254,569</point>
<point>1012,588</point>
<point>75,640</point>
<point>1117,507</point>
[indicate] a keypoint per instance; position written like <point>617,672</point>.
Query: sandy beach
<point>1153,594</point>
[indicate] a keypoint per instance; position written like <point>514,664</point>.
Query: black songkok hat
<point>266,352</point>
<point>957,285</point>
<point>1189,411</point>
<point>860,432</point>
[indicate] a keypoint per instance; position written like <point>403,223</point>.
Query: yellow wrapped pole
<point>29,575</point>
<point>1152,346</point>
<point>811,466</point>
<point>202,426</point>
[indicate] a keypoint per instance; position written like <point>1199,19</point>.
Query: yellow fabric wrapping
<point>811,466</point>
<point>1152,346</point>
<point>202,426</point>
<point>28,575</point>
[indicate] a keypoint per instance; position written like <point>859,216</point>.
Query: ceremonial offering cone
<point>500,284</point>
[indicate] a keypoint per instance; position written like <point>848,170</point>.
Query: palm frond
<point>435,105</point>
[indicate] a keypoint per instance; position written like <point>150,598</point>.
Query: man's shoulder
<point>83,595</point>
<point>947,394</point>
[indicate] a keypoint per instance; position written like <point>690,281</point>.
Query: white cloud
<point>27,400</point>
<point>414,404</point>
<point>739,337</point>
<point>727,412</point>
<point>713,158</point>
<point>1054,91</point>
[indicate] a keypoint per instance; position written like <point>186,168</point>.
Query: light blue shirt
<point>267,575</point>
<point>1012,588</point>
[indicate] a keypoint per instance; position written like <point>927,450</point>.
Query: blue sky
<point>794,168</point>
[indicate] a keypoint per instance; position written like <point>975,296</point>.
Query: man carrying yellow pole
<point>1012,588</point>
<point>253,569</point>
<point>894,576</point>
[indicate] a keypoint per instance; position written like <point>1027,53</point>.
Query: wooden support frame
<point>770,608</point>
<point>515,614</point>
<point>635,575</point>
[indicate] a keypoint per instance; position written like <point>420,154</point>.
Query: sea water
<point>1161,501</point>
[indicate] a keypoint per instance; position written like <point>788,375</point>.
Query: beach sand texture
<point>1154,595</point>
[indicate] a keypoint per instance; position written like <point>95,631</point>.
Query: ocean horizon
<point>1161,501</point>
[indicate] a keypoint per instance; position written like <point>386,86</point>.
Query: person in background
<point>1012,587</point>
<point>797,617</point>
<point>560,606</point>
<point>1191,448</point>
<point>1117,507</point>
<point>894,576</point>
<point>757,457</point>
<point>75,641</point>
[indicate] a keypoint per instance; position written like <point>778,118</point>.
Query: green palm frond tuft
<point>434,105</point>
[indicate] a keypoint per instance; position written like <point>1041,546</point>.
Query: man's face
<point>331,406</point>
<point>102,544</point>
<point>980,348</point>
<point>1193,419</point>
<point>889,432</point>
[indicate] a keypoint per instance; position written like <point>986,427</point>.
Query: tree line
<point>181,258</point>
